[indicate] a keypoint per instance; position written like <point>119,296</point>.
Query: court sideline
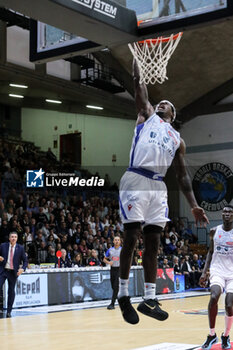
<point>99,328</point>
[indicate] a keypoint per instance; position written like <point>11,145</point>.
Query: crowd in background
<point>82,229</point>
<point>17,158</point>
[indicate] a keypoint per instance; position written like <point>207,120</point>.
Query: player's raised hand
<point>200,216</point>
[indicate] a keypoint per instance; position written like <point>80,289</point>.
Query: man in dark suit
<point>11,256</point>
<point>188,273</point>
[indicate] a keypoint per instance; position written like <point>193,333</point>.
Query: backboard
<point>155,18</point>
<point>94,24</point>
<point>161,16</point>
<point>48,43</point>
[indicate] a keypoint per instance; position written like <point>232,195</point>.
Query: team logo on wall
<point>213,186</point>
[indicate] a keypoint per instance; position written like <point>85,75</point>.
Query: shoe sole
<point>227,348</point>
<point>134,322</point>
<point>148,313</point>
<point>211,345</point>
<point>133,319</point>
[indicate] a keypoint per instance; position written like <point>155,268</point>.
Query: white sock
<point>149,290</point>
<point>123,288</point>
<point>212,331</point>
<point>228,324</point>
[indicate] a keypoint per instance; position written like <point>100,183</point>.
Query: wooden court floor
<point>104,329</point>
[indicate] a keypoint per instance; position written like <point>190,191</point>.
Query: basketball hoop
<point>152,56</point>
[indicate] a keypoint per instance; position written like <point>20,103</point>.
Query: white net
<point>152,57</point>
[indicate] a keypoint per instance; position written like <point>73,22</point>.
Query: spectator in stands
<point>31,208</point>
<point>178,247</point>
<point>27,237</point>
<point>181,231</point>
<point>63,261</point>
<point>77,260</point>
<point>196,268</point>
<point>185,247</point>
<point>32,225</point>
<point>93,260</point>
<point>174,234</point>
<point>40,235</point>
<point>4,232</point>
<point>10,213</point>
<point>96,243</point>
<point>41,217</point>
<point>20,233</point>
<point>73,229</point>
<point>189,235</point>
<point>101,252</point>
<point>64,241</point>
<point>8,175</point>
<point>51,241</point>
<point>51,258</point>
<point>63,230</point>
<point>25,220</point>
<point>45,230</point>
<point>42,253</point>
<point>89,242</point>
<point>76,238</point>
<point>171,248</point>
<point>52,222</point>
<point>83,248</point>
<point>69,251</point>
<point>188,273</point>
<point>165,264</point>
<point>176,266</point>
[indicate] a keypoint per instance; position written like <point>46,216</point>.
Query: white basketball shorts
<point>143,200</point>
<point>221,281</point>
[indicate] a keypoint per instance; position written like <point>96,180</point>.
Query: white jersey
<point>154,145</point>
<point>222,259</point>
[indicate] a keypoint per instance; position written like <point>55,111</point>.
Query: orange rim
<point>163,39</point>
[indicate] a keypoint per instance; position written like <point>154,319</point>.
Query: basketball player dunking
<point>220,261</point>
<point>143,195</point>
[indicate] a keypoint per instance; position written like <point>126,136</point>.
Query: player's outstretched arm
<point>204,275</point>
<point>141,94</point>
<point>186,186</point>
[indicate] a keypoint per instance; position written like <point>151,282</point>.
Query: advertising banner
<point>30,290</point>
<point>179,283</point>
